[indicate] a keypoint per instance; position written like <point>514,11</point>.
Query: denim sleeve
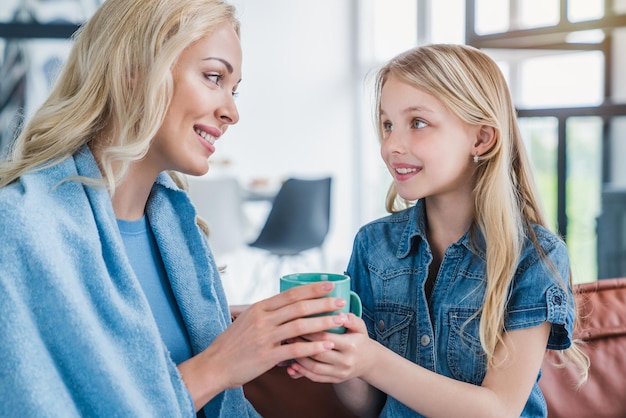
<point>540,292</point>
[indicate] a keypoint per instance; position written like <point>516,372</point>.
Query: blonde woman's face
<point>206,77</point>
<point>427,149</point>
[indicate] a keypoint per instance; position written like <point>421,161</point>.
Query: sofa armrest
<point>603,330</point>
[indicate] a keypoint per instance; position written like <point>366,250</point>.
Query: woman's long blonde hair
<point>472,86</point>
<point>115,89</point>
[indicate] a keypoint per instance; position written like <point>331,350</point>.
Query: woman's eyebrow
<point>227,64</point>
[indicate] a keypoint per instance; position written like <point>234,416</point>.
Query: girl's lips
<point>405,172</point>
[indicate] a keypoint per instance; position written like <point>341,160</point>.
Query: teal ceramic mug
<point>341,290</point>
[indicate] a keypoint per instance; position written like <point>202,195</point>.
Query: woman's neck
<point>131,195</point>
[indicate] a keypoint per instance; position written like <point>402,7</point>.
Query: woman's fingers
<point>309,326</point>
<point>296,294</point>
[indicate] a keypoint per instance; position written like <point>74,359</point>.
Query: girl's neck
<point>447,221</point>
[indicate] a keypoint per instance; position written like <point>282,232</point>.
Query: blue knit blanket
<point>77,337</point>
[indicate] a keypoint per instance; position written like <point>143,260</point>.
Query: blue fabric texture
<point>389,266</point>
<point>78,337</point>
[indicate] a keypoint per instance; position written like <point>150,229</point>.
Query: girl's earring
<point>476,158</point>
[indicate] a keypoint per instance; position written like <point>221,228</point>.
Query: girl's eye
<point>417,124</point>
<point>214,78</point>
<point>235,94</point>
<point>387,127</point>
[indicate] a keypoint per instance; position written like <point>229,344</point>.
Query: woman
<point>111,301</point>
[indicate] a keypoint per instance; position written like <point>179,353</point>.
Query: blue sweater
<point>76,334</point>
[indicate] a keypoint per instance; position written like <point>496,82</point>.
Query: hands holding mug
<point>340,290</point>
<point>342,362</point>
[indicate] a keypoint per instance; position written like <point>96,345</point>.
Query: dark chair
<point>298,220</point>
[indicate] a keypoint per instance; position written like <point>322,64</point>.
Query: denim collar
<point>415,231</point>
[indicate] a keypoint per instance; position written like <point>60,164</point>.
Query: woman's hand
<point>254,343</point>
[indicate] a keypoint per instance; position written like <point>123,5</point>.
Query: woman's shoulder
<point>39,201</point>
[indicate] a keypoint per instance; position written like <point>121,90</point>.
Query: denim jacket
<point>389,266</point>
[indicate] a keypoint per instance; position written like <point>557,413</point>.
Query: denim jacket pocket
<point>466,359</point>
<point>391,323</point>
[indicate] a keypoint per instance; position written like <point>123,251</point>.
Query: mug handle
<point>356,307</point>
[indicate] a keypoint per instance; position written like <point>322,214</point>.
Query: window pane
<point>537,13</point>
<point>619,7</point>
<point>565,80</point>
<point>583,185</point>
<point>541,140</point>
<point>492,16</point>
<point>394,27</point>
<point>447,21</point>
<point>581,10</point>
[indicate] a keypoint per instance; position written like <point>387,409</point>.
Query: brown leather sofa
<point>276,395</point>
<point>603,329</point>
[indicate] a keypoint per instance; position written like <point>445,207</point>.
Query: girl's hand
<point>253,344</point>
<point>348,359</point>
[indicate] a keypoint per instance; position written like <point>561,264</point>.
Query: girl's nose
<point>394,142</point>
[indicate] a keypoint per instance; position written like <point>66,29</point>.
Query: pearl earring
<point>476,158</point>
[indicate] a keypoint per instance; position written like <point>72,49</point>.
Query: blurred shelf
<point>31,30</point>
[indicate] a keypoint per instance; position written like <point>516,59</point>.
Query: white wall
<point>296,104</point>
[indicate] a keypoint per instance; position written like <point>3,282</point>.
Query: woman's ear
<point>485,139</point>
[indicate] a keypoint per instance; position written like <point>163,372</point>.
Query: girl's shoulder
<point>393,220</point>
<point>543,244</point>
<point>391,227</point>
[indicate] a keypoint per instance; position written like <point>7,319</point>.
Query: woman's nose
<point>228,112</point>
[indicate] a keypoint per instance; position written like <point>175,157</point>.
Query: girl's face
<point>206,77</point>
<point>427,149</point>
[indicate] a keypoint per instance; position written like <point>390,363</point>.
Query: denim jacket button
<point>556,299</point>
<point>381,325</point>
<point>425,340</point>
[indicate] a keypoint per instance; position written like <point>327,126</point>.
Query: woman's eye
<point>417,124</point>
<point>387,127</point>
<point>214,78</point>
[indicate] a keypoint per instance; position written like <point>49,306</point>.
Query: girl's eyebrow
<point>417,109</point>
<point>412,109</point>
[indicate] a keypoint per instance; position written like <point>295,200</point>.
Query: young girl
<point>111,303</point>
<point>463,291</point>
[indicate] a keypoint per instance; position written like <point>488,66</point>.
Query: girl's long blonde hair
<point>472,86</point>
<point>115,89</point>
